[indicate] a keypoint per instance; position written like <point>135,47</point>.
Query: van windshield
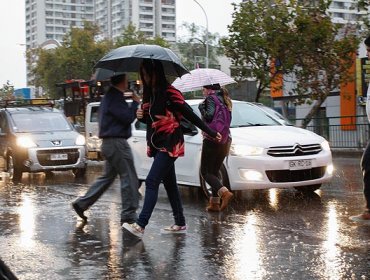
<point>41,122</point>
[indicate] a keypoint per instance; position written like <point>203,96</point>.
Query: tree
<point>74,59</point>
<point>193,46</point>
<point>302,39</point>
<point>7,91</point>
<point>132,36</point>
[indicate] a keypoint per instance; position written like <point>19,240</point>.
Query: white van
<point>93,142</point>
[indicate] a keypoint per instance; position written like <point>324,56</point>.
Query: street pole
<point>206,31</point>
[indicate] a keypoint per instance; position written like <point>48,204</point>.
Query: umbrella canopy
<point>129,58</point>
<point>200,77</point>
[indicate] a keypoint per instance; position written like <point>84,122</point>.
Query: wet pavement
<point>268,234</point>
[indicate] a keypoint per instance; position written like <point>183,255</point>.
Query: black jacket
<point>116,115</point>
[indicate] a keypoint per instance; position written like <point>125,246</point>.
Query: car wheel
<point>79,172</point>
<point>310,188</point>
<point>15,174</point>
<point>222,174</point>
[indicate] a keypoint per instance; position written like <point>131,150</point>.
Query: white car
<point>264,153</point>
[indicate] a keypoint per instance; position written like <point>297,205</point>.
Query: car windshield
<point>275,114</point>
<point>43,122</point>
<point>245,114</point>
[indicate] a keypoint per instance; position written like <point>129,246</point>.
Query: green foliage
<point>303,39</point>
<point>7,91</point>
<point>132,36</point>
<point>77,55</point>
<point>192,48</point>
<point>74,59</point>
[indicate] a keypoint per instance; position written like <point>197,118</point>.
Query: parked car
<point>39,138</point>
<point>93,142</point>
<point>264,154</point>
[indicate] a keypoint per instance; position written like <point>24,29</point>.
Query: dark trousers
<point>213,154</point>
<point>118,161</point>
<point>365,167</point>
<point>162,170</point>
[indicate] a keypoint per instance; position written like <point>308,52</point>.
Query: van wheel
<point>310,188</point>
<point>15,174</point>
<point>222,175</point>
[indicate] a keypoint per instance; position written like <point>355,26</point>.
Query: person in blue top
<point>115,118</point>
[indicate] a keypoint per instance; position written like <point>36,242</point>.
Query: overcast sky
<point>12,30</point>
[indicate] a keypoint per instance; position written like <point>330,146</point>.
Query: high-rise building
<point>51,19</point>
<point>345,11</point>
<point>153,17</point>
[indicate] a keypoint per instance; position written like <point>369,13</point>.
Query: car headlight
<point>244,150</point>
<point>325,146</point>
<point>25,142</point>
<point>80,140</point>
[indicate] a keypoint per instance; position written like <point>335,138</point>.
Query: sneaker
<point>364,217</point>
<point>174,229</point>
<point>134,228</point>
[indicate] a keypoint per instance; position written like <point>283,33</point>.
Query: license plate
<point>58,156</point>
<point>300,164</point>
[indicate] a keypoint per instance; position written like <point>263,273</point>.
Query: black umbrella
<point>101,74</point>
<point>129,58</point>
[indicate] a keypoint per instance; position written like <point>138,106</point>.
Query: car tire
<point>79,172</point>
<point>222,174</point>
<point>15,174</point>
<point>310,188</point>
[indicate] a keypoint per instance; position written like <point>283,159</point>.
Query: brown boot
<point>214,204</point>
<point>226,196</point>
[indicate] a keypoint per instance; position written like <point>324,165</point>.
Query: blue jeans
<point>162,170</point>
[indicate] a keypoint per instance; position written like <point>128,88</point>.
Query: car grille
<point>296,150</point>
<point>283,176</point>
<point>44,157</point>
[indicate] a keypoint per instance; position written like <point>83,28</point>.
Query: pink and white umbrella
<point>200,77</point>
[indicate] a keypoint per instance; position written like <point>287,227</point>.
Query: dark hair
<point>115,80</point>
<point>367,41</point>
<point>213,87</point>
<point>154,69</point>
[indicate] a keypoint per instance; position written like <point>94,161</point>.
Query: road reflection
<point>265,234</point>
<point>332,259</point>
<point>26,213</point>
<point>245,262</point>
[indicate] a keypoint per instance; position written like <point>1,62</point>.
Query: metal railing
<point>353,135</point>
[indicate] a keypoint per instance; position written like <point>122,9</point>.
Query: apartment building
<point>345,11</point>
<point>51,19</point>
<point>153,17</point>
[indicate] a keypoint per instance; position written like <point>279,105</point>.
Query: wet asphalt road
<point>268,234</point>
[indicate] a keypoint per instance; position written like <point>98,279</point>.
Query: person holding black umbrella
<point>162,110</point>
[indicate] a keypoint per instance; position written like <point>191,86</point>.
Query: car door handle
<point>135,141</point>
